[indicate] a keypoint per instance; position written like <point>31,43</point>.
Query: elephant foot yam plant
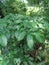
<point>22,40</point>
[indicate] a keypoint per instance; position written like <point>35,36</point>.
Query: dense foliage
<point>15,7</point>
<point>24,38</point>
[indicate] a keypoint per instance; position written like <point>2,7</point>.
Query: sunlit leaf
<point>3,40</point>
<point>30,41</point>
<point>20,35</point>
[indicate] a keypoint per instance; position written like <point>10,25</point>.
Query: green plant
<point>22,38</point>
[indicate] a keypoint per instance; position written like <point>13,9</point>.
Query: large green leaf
<point>40,37</point>
<point>3,40</point>
<point>31,63</point>
<point>30,41</point>
<point>20,35</point>
<point>25,63</point>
